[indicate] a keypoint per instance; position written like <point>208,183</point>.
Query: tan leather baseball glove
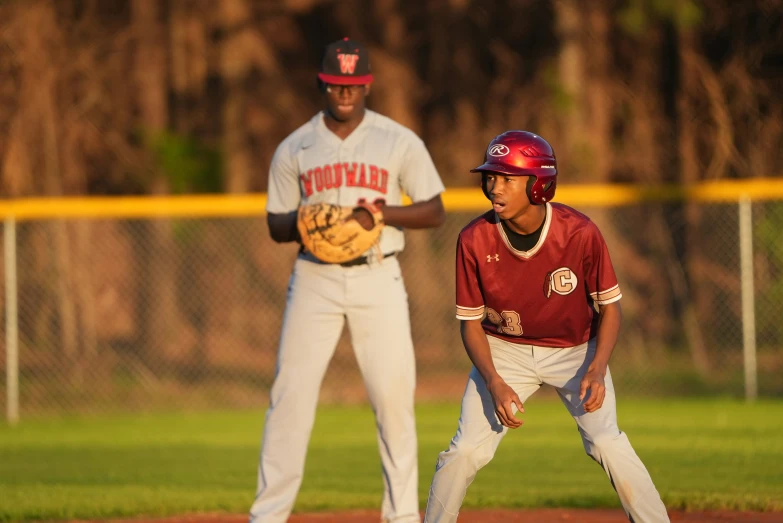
<point>330,234</point>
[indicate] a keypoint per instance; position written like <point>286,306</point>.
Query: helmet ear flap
<point>484,185</point>
<point>541,190</point>
<point>529,188</point>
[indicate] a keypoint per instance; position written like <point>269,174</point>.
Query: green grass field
<point>702,454</point>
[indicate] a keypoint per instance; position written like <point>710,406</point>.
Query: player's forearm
<point>420,215</point>
<point>476,345</point>
<point>282,227</point>
<point>609,322</point>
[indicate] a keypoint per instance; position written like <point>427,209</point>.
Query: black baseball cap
<point>345,62</point>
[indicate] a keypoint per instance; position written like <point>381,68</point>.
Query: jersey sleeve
<point>283,193</point>
<point>419,178</point>
<point>600,278</point>
<point>470,300</point>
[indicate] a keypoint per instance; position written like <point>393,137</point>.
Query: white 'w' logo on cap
<point>347,62</point>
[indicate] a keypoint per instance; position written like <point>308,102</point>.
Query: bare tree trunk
<point>74,181</point>
<point>571,60</point>
<point>151,64</point>
<point>395,95</point>
<point>235,62</point>
<point>85,290</point>
<point>39,79</point>
<point>157,305</point>
<point>645,155</point>
<point>689,174</point>
<point>15,164</point>
<point>643,148</point>
<point>599,94</point>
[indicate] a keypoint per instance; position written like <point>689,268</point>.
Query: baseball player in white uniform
<point>343,154</point>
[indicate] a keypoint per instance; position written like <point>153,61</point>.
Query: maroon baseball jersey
<point>544,296</point>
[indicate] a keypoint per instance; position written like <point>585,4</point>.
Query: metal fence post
<point>748,308</point>
<point>11,322</point>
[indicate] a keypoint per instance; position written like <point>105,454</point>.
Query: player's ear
<point>321,85</point>
<point>367,89</point>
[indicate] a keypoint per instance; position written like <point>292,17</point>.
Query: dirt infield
<point>491,516</point>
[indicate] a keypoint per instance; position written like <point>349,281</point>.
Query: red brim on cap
<point>345,80</point>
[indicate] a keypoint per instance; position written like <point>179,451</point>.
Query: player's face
<point>346,102</point>
<point>508,195</point>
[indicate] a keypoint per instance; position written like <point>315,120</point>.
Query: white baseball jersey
<point>379,159</point>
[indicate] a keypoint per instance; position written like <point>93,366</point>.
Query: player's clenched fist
<point>593,383</point>
<point>505,401</point>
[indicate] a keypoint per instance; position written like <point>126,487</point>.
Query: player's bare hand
<point>505,399</point>
<point>363,216</point>
<point>593,383</point>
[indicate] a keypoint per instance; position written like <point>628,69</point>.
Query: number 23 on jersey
<point>507,322</point>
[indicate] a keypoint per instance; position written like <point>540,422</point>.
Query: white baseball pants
<point>320,298</point>
<point>525,368</point>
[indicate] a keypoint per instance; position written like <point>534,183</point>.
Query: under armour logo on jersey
<point>347,62</point>
<point>498,150</point>
<point>491,257</point>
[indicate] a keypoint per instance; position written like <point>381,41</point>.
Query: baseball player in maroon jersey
<point>538,301</point>
<point>344,154</point>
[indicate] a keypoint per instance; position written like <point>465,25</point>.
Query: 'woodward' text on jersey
<point>333,176</point>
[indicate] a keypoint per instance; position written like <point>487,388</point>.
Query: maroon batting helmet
<point>520,153</point>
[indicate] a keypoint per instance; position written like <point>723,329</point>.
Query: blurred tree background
<point>154,97</point>
<point>98,96</point>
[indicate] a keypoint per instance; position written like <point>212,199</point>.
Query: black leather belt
<point>363,260</point>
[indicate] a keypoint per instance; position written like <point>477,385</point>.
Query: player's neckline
<point>334,136</point>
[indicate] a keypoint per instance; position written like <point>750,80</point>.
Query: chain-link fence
<point>186,313</point>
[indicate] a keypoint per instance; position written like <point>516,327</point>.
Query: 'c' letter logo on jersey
<point>563,281</point>
<point>347,62</point>
<point>498,150</point>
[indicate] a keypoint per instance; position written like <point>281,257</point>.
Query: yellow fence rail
<point>117,303</point>
<point>455,200</point>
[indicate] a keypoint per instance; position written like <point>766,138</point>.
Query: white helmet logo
<point>498,150</point>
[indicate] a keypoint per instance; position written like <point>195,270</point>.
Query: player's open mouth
<point>498,206</point>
